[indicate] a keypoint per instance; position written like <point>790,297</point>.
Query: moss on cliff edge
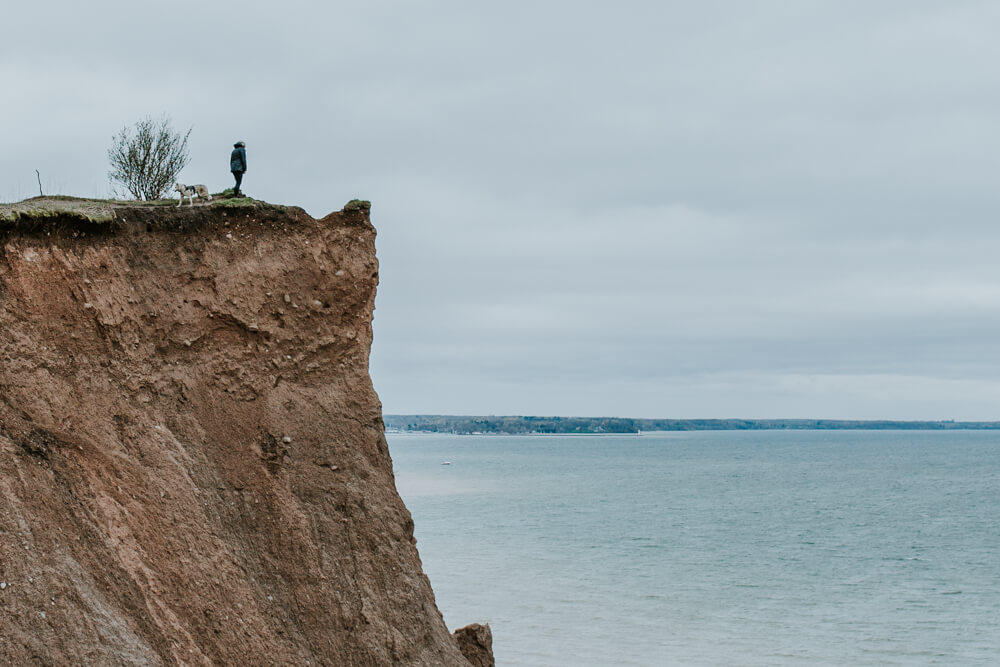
<point>45,209</point>
<point>46,214</point>
<point>358,205</point>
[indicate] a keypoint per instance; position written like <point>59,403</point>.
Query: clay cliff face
<point>193,468</point>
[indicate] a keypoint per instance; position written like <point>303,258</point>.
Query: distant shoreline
<point>528,425</point>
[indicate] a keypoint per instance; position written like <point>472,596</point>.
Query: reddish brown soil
<point>193,468</point>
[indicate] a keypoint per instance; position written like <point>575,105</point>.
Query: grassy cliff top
<point>40,209</point>
<point>63,212</point>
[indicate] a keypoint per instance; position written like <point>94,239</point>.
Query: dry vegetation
<point>39,210</point>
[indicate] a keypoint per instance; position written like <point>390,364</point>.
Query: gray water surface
<point>714,548</point>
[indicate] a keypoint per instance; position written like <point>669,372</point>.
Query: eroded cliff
<point>193,468</point>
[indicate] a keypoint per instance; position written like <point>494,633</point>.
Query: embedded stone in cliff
<point>475,641</point>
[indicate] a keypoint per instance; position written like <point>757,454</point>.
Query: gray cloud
<point>649,208</point>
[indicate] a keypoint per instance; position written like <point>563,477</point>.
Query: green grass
<point>44,198</point>
<point>43,215</point>
<point>240,202</point>
<point>155,202</point>
<point>43,209</point>
<point>358,205</point>
<point>62,209</point>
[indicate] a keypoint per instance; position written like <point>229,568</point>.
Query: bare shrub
<point>147,157</point>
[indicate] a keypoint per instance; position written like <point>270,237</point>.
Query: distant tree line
<point>510,425</point>
<point>514,425</point>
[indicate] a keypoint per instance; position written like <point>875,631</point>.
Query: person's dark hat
<point>240,144</point>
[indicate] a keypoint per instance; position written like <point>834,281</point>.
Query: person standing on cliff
<point>238,165</point>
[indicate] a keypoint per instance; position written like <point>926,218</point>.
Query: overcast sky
<point>642,208</point>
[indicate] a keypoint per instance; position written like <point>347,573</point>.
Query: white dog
<point>191,191</point>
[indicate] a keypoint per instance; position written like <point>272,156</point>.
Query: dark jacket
<point>238,160</point>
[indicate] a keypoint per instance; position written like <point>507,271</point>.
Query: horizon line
<point>697,419</point>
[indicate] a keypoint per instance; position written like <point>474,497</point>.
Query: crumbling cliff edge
<point>193,467</point>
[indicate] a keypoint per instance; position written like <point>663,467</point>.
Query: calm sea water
<point>724,548</point>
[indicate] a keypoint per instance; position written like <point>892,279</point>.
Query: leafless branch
<point>147,157</point>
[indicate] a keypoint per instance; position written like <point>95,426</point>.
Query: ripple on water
<point>743,548</point>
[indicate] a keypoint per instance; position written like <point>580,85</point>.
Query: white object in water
<point>446,463</point>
